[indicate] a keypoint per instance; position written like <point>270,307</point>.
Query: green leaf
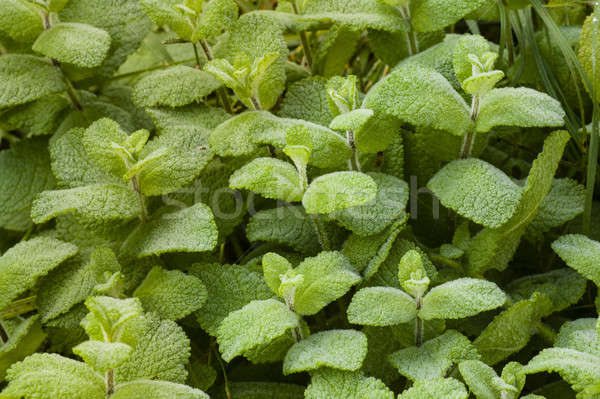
<point>190,229</point>
<point>588,50</point>
<point>112,319</point>
<point>270,178</point>
<point>27,78</point>
<point>307,100</point>
<point>580,335</point>
<point>103,356</point>
<point>327,277</point>
<point>422,97</point>
<point>336,50</point>
<point>375,216</point>
<point>25,173</point>
<point>40,117</point>
<point>479,377</point>
<point>254,326</point>
<point>434,358</point>
<point>196,117</point>
<point>46,376</point>
<point>170,293</point>
<point>336,349</point>
<point>74,43</point>
<point>466,45</point>
<point>432,15</point>
<point>329,383</point>
<point>477,190</point>
<point>483,83</point>
<point>381,306</point>
<point>20,20</point>
<point>495,345</point>
<point>581,254</point>
<point>358,14</point>
<point>521,107</point>
<point>564,202</point>
<point>339,190</point>
<point>261,390</point>
<point>447,388</point>
<point>25,338</point>
<point>217,16</point>
<point>99,202</point>
<point>230,288</point>
<point>173,87</point>
<point>103,141</point>
<point>148,389</point>
<point>274,266</point>
<point>461,298</point>
<point>25,262</point>
<point>165,12</point>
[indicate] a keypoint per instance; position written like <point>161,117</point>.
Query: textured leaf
<point>99,141</point>
<point>307,100</point>
<point>328,383</point>
<point>230,288</point>
<point>580,253</point>
<point>461,298</point>
<point>327,277</point>
<point>47,376</point>
<point>422,97</point>
<point>477,190</point>
<point>374,217</point>
<point>432,15</point>
<point>589,56</point>
<point>336,349</point>
<point>381,306</point>
<point>478,377</point>
<point>148,389</point>
<point>99,202</point>
<point>172,121</point>
<point>270,178</point>
<point>580,335</point>
<point>563,203</point>
<point>103,356</point>
<point>112,319</point>
<point>521,107</point>
<point>447,388</point>
<point>171,294</point>
<point>336,50</point>
<point>174,87</point>
<point>164,12</point>
<point>39,117</point>
<point>25,338</point>
<point>27,78</point>
<point>434,358</point>
<point>339,190</point>
<point>24,263</point>
<point>20,20</point>
<point>468,44</point>
<point>74,43</point>
<point>217,16</point>
<point>25,173</point>
<point>253,326</point>
<point>274,266</point>
<point>190,229</point>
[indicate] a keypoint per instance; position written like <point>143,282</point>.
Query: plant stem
<point>110,382</point>
<point>592,168</point>
<point>411,35</point>
<point>3,334</point>
<point>18,307</point>
<point>136,187</point>
<point>221,91</point>
<point>196,55</point>
<point>418,325</point>
<point>469,138</point>
<point>225,379</point>
<point>304,41</point>
<point>353,162</point>
<point>546,332</point>
<point>508,36</point>
<point>323,239</point>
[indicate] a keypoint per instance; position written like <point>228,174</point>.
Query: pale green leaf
<point>20,20</point>
<point>165,12</point>
<point>269,177</point>
<point>217,16</point>
<point>190,229</point>
<point>149,389</point>
<point>329,383</point>
<point>477,190</point>
<point>103,356</point>
<point>580,253</point>
<point>580,335</point>
<point>39,117</point>
<point>112,319</point>
<point>48,376</point>
<point>170,293</point>
<point>432,15</point>
<point>99,202</point>
<point>381,306</point>
<point>520,107</point>
<point>336,349</point>
<point>478,377</point>
<point>25,336</point>
<point>564,202</point>
<point>382,342</point>
<point>25,262</point>
<point>253,326</point>
<point>174,87</point>
<point>336,50</point>
<point>447,388</point>
<point>483,83</point>
<point>461,298</point>
<point>262,390</point>
<point>422,97</point>
<point>589,54</point>
<point>102,141</point>
<point>27,78</point>
<point>74,43</point>
<point>467,44</point>
<point>274,266</point>
<point>339,190</point>
<point>194,117</point>
<point>434,357</point>
<point>307,100</point>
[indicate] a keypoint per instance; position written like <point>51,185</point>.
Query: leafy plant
<point>317,199</point>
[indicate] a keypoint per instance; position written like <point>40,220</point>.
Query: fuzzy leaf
<point>588,54</point>
<point>477,190</point>
<point>434,357</point>
<point>26,78</point>
<point>165,12</point>
<point>270,178</point>
<point>307,100</point>
<point>274,266</point>
<point>253,326</point>
<point>329,383</point>
<point>79,44</point>
<point>20,20</point>
<point>580,335</point>
<point>447,388</point>
<point>260,390</point>
<point>148,389</point>
<point>422,97</point>
<point>25,262</point>
<point>336,349</point>
<point>461,298</point>
<point>339,190</point>
<point>25,338</point>
<point>190,229</point>
<point>99,202</point>
<point>478,377</point>
<point>230,288</point>
<point>173,87</point>
<point>40,117</point>
<point>467,44</point>
<point>170,293</point>
<point>103,356</point>
<point>381,306</point>
<point>563,203</point>
<point>432,15</point>
<point>580,253</point>
<point>217,16</point>
<point>521,107</point>
<point>99,141</point>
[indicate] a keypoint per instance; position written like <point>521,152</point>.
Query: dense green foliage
<point>320,199</point>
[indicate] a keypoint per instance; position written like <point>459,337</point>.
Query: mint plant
<point>317,199</point>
